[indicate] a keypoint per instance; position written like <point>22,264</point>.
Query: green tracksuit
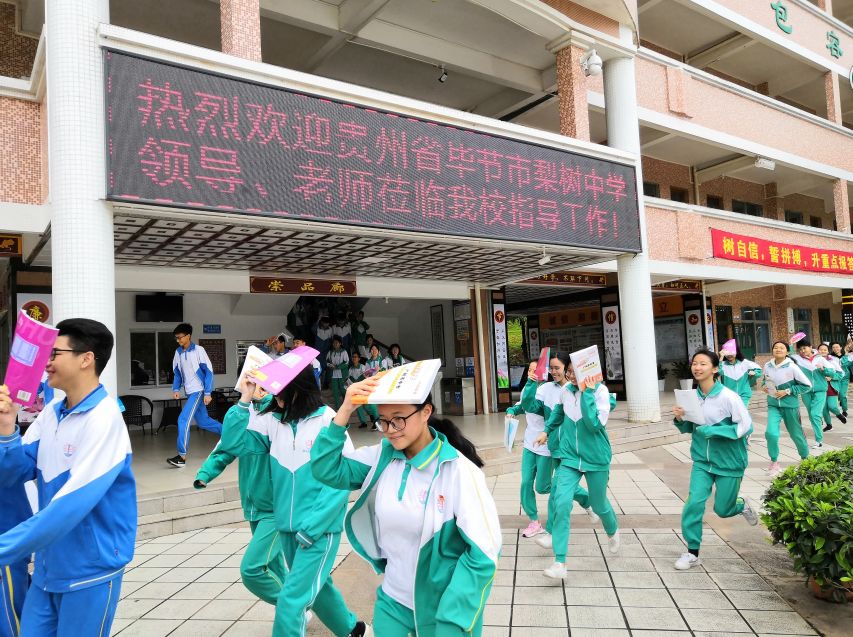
<point>719,457</point>
<point>537,465</point>
<point>307,515</point>
<point>450,509</point>
<point>834,373</point>
<point>844,383</point>
<point>338,359</point>
<point>736,377</point>
<point>262,568</point>
<point>541,399</point>
<point>367,414</point>
<point>814,400</point>
<point>787,377</point>
<point>359,337</point>
<point>584,451</point>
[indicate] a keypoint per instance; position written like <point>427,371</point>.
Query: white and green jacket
<point>301,504</point>
<point>814,370</point>
<point>834,373</point>
<point>460,536</point>
<point>540,399</point>
<point>786,377</point>
<point>719,446</point>
<point>736,377</point>
<point>580,426</point>
<point>534,425</point>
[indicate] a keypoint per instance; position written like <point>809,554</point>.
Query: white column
<point>635,286</point>
<point>82,221</point>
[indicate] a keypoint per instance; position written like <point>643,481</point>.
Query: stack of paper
<point>409,384</point>
<point>277,374</point>
<point>587,366</point>
<point>255,359</point>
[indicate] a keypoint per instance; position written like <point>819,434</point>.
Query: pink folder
<point>28,358</point>
<point>542,364</point>
<point>276,375</point>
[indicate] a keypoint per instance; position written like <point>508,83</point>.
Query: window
<point>824,321</point>
<point>792,216</point>
<point>712,201</point>
<point>815,222</point>
<point>746,208</point>
<point>651,189</point>
<point>679,194</point>
<point>755,331</point>
<point>839,334</point>
<point>723,321</point>
<point>803,322</point>
<point>151,355</point>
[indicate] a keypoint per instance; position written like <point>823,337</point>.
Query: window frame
<point>753,323</point>
<point>155,334</point>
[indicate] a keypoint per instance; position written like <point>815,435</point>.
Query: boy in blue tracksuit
<point>194,372</point>
<point>79,453</point>
<point>14,579</point>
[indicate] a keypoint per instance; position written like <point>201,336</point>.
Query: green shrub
<point>808,508</point>
<point>681,369</point>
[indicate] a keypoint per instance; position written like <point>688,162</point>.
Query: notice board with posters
<point>215,348</point>
<point>183,137</point>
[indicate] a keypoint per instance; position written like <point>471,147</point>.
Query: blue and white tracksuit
<point>14,579</point>
<point>84,532</point>
<point>193,371</point>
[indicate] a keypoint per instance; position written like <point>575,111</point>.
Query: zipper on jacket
<point>415,581</point>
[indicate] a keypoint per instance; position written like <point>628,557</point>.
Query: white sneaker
<point>544,540</point>
<point>817,445</point>
<point>556,571</point>
<point>687,561</point>
<point>309,615</point>
<point>593,516</point>
<point>614,542</point>
<point>749,511</point>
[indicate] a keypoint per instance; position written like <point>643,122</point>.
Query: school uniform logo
<point>439,503</point>
<point>68,450</point>
<point>308,444</point>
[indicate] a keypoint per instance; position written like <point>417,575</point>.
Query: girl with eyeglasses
<point>424,517</point>
<point>540,398</point>
<point>308,515</point>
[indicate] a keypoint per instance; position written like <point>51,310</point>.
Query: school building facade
<point>646,175</point>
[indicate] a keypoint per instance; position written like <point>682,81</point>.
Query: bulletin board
<point>215,348</point>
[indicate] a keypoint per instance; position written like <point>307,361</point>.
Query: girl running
<point>783,382</point>
<point>846,360</point>
<point>833,374</point>
<point>541,399</point>
<point>580,419</point>
<point>308,515</point>
<point>813,366</point>
<point>739,374</point>
<point>719,455</point>
<point>424,517</point>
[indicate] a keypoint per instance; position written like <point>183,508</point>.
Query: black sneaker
<point>363,425</point>
<point>827,427</point>
<point>842,418</point>
<point>361,630</point>
<point>177,461</point>
<point>844,413</point>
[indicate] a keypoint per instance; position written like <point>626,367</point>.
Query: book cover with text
<point>409,384</point>
<point>587,366</point>
<point>28,357</point>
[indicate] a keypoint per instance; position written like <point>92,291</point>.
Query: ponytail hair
<point>454,435</point>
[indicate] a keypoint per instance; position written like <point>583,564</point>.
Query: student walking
<point>541,399</point>
<point>337,365</point>
<point>581,418</point>
<point>359,336</point>
<point>812,365</point>
<point>833,373</point>
<point>323,344</point>
<point>739,374</point>
<point>14,578</point>
<point>846,361</point>
<point>194,372</point>
<point>424,517</point>
<point>783,382</point>
<point>367,414</point>
<point>374,363</point>
<point>719,455</point>
<point>308,516</point>
<point>537,465</point>
<point>78,451</point>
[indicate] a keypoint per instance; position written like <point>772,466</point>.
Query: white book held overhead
<point>409,384</point>
<point>688,400</point>
<point>587,366</point>
<point>255,359</point>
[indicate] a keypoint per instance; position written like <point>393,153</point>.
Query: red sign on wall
<point>737,247</point>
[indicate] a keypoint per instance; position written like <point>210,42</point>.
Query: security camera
<point>443,77</point>
<point>545,260</point>
<point>591,63</point>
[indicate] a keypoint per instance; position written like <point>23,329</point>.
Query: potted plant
<point>662,374</point>
<point>682,372</point>
<point>809,509</point>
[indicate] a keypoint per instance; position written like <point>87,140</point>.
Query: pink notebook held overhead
<point>276,375</point>
<point>28,357</point>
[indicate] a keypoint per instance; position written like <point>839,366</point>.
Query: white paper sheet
<point>688,400</point>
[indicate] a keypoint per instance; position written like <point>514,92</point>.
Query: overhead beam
<point>724,168</point>
<point>649,4</point>
<point>806,182</point>
<point>720,51</point>
<point>788,82</point>
<point>353,15</point>
<point>658,140</point>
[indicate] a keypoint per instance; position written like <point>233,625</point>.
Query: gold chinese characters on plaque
<point>315,287</point>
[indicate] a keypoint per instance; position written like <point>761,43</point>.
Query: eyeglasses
<point>397,423</point>
<point>56,350</point>
<point>181,337</point>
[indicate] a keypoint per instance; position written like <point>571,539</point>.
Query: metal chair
<point>138,411</point>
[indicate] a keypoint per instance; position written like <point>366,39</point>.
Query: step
<point>191,519</point>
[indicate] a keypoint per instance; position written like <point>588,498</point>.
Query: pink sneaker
<point>534,528</point>
<point>773,469</point>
